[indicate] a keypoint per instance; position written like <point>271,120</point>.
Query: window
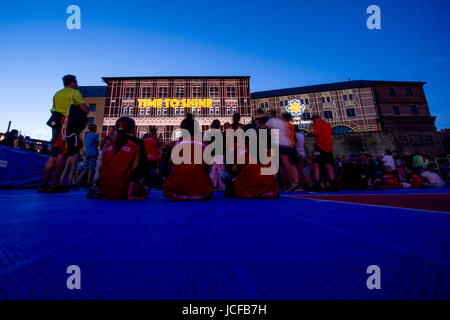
<point>414,110</point>
<point>146,92</point>
<point>429,140</point>
<point>179,92</point>
<point>350,97</point>
<point>217,110</point>
<point>193,110</point>
<point>91,121</point>
<point>306,101</point>
<point>392,92</point>
<point>141,111</point>
<point>165,111</point>
<point>130,111</point>
<point>403,140</point>
<point>416,140</point>
<point>211,111</point>
<point>323,99</point>
<point>262,105</point>
<point>158,112</point>
<point>409,92</point>
<point>175,111</point>
<point>342,130</point>
<point>199,110</point>
<point>267,104</point>
<point>125,111</point>
<point>306,116</point>
<point>162,92</point>
<point>328,99</point>
<point>328,114</point>
<point>396,110</point>
<point>92,107</point>
<point>351,113</point>
<point>231,92</point>
<point>129,92</point>
<point>147,112</point>
<point>345,97</point>
<point>181,111</point>
<point>234,110</point>
<point>196,92</point>
<point>214,92</point>
<point>281,103</point>
<point>228,110</point>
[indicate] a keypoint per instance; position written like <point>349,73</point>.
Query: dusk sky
<point>280,44</point>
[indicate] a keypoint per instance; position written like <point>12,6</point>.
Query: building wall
<point>361,100</point>
<point>412,125</point>
<point>119,101</point>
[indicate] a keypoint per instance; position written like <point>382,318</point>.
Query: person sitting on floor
<point>416,180</point>
<point>121,171</point>
<point>246,181</point>
<point>189,181</point>
<point>432,179</point>
<point>390,181</point>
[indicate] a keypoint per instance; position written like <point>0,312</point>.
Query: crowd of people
<point>124,166</point>
<point>15,140</point>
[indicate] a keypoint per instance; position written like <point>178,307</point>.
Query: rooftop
<point>93,91</point>
<point>175,77</point>
<point>326,87</point>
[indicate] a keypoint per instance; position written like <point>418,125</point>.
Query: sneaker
<point>291,188</point>
<point>94,193</point>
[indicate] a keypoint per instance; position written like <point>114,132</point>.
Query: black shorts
<point>290,152</point>
<point>322,157</point>
<point>73,147</point>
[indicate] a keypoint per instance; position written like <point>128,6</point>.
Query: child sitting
<point>120,172</point>
<point>390,181</point>
<point>189,181</point>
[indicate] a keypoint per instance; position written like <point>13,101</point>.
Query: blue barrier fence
<point>20,168</point>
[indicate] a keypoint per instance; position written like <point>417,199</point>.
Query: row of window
<point>416,140</point>
<point>160,111</point>
<point>392,92</point>
<point>306,101</point>
<point>396,110</point>
<point>179,92</point>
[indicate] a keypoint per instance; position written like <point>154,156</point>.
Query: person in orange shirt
<point>323,153</point>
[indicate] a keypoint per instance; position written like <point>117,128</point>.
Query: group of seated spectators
<point>390,170</point>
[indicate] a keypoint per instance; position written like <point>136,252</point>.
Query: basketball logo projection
<point>295,108</point>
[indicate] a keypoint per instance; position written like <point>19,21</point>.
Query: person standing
<point>288,156</point>
<point>91,141</point>
<point>61,146</point>
<point>323,153</point>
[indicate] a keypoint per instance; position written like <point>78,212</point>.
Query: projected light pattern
<point>295,108</point>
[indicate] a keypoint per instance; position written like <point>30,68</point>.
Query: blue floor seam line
<point>367,205</point>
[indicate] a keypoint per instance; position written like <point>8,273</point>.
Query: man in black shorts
<point>323,153</point>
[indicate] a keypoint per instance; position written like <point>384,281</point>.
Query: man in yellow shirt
<point>62,101</point>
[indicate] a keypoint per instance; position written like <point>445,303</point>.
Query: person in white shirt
<point>433,180</point>
<point>388,160</point>
<point>288,157</point>
<point>301,155</point>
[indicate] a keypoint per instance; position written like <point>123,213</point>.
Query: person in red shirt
<point>153,154</point>
<point>390,181</point>
<point>323,153</point>
<point>189,181</point>
<point>118,175</point>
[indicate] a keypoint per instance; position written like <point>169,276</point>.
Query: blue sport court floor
<point>291,248</point>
